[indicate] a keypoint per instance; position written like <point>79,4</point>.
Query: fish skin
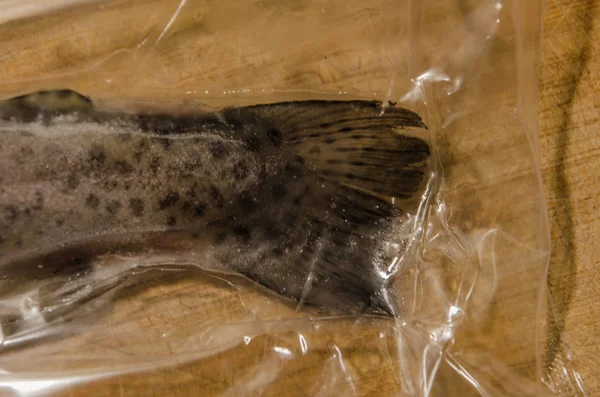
<point>292,195</point>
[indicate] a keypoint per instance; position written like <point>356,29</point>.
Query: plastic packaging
<point>469,275</point>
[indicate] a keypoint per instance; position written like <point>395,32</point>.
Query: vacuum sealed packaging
<point>267,198</point>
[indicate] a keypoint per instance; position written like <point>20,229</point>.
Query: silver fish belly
<point>294,196</point>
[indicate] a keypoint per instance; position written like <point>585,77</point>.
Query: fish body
<point>296,196</point>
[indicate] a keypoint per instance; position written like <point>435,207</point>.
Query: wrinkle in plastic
<point>470,280</point>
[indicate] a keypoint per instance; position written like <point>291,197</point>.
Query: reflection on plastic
<point>467,265</point>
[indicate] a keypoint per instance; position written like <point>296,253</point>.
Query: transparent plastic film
<point>300,198</point>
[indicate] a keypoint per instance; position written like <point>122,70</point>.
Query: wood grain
<point>569,119</point>
<point>154,53</point>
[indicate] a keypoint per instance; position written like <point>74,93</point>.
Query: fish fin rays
<point>377,149</point>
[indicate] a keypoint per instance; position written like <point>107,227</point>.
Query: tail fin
<point>353,156</point>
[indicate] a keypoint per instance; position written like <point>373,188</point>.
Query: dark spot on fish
<point>192,190</point>
<point>19,243</point>
<point>73,181</point>
<point>220,236</point>
<point>277,252</point>
<point>168,200</point>
<point>194,163</point>
<point>38,202</point>
<point>127,186</point>
<point>314,150</point>
<point>293,171</point>
<point>275,136</point>
<point>92,201</point>
<point>345,129</point>
<point>109,185</point>
<point>113,206</point>
<point>357,137</point>
<point>136,205</point>
<point>300,160</point>
<point>12,213</point>
<point>154,165</point>
<point>325,125</point>
<point>171,221</point>
<point>1,240</point>
<point>298,199</point>
<point>253,143</point>
<point>218,149</point>
<point>97,156</point>
<point>329,140</point>
<point>242,232</point>
<point>199,210</point>
<point>240,171</point>
<point>123,167</point>
<point>59,222</point>
<point>39,232</point>
<point>315,135</point>
<point>216,195</point>
<point>196,210</point>
<point>27,212</point>
<point>278,191</point>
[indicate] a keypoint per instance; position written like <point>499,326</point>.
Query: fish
<point>300,197</point>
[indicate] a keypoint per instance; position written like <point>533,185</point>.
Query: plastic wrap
<point>468,273</point>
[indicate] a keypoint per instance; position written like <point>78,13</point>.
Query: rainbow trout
<point>296,196</point>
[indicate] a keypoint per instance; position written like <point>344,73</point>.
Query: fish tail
<point>352,159</point>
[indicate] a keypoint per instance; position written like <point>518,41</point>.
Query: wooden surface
<point>81,54</point>
<point>570,146</point>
